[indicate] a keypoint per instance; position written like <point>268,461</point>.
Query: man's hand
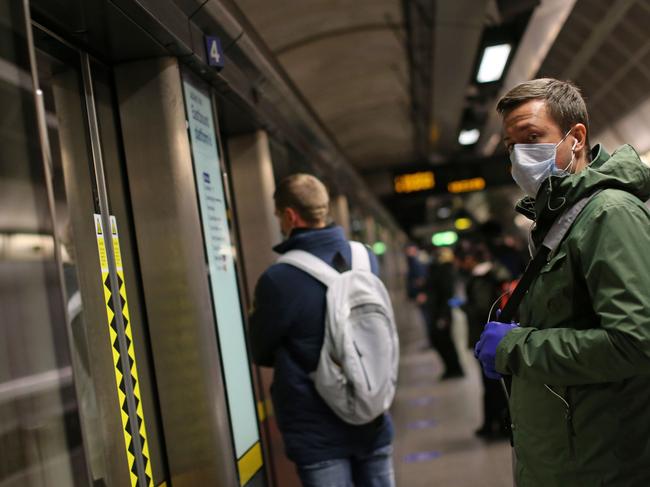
<point>486,348</point>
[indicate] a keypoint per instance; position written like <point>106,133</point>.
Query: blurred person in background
<point>483,291</point>
<point>504,248</point>
<point>416,281</point>
<point>439,291</point>
<point>416,274</point>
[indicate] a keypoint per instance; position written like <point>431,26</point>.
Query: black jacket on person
<point>286,332</point>
<point>483,290</point>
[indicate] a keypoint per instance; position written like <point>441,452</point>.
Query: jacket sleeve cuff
<point>516,338</point>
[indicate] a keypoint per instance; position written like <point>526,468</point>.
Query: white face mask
<point>533,163</point>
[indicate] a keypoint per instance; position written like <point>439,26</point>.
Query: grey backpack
<point>357,369</point>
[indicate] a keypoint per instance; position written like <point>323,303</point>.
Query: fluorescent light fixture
<point>468,137</point>
<point>493,62</point>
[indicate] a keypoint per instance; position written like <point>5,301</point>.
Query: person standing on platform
<point>416,282</point>
<point>483,291</point>
<point>579,358</point>
<point>287,328</point>
<point>440,290</point>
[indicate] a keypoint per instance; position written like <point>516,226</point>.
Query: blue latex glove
<point>455,302</point>
<point>486,348</point>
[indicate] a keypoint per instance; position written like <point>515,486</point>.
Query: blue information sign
<point>214,51</point>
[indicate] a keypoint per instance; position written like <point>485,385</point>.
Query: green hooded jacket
<point>580,362</point>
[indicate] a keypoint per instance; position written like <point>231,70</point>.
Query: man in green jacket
<point>580,357</point>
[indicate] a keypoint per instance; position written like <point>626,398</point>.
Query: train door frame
<point>123,429</point>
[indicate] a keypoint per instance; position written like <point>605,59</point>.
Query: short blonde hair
<point>306,194</point>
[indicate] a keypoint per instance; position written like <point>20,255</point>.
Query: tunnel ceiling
<point>389,78</point>
<point>349,60</point>
<point>605,48</point>
<point>394,80</point>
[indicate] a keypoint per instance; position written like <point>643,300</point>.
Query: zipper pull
<point>569,421</point>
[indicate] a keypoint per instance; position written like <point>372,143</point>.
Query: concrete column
<point>371,230</point>
<point>191,391</point>
<point>253,184</point>
<point>340,212</point>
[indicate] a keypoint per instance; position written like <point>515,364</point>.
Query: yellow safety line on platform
<point>249,464</point>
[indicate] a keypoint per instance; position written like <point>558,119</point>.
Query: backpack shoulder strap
<point>562,225</point>
<point>310,264</point>
<point>360,257</point>
<point>551,242</point>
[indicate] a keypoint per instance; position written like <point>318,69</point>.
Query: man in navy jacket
<point>287,327</point>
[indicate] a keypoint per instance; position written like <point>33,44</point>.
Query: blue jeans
<point>374,469</point>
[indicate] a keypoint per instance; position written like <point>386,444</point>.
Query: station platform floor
<point>435,420</point>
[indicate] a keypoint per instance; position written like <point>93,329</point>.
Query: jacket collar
<point>311,238</point>
<point>622,170</point>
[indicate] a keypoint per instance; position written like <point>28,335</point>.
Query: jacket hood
<point>310,239</point>
<point>622,170</point>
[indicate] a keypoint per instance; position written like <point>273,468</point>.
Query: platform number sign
<point>214,51</point>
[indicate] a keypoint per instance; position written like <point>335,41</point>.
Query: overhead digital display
<point>466,185</point>
<point>417,181</point>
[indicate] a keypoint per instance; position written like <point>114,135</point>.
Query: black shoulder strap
<point>551,242</point>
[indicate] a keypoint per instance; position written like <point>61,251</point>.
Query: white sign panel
<point>223,280</point>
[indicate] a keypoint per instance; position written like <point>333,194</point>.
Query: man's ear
<point>580,134</point>
<point>292,216</point>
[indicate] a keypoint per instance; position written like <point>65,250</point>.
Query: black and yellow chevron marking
<point>119,372</point>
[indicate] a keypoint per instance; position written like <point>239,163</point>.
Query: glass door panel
<point>40,431</point>
<point>75,202</point>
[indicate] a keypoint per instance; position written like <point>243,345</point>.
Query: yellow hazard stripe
<point>135,379</point>
<point>249,463</point>
<point>119,377</point>
<point>117,362</point>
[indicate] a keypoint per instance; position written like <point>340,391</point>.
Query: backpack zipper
<point>365,373</point>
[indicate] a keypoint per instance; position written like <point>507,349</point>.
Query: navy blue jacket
<point>286,332</point>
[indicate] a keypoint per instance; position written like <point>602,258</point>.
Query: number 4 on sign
<point>214,52</point>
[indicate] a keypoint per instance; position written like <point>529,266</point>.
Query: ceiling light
<point>493,62</point>
<point>468,137</point>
